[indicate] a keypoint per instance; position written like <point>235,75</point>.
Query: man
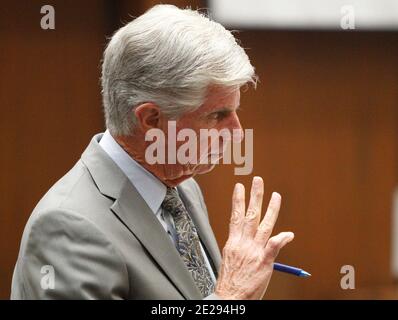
<point>118,227</point>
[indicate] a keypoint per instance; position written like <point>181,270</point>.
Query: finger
<point>266,226</point>
<point>276,243</point>
<point>253,215</point>
<point>238,211</point>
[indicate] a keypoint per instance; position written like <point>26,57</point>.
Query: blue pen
<point>291,270</point>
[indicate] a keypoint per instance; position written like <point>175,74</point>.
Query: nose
<point>236,128</point>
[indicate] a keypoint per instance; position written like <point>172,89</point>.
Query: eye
<point>218,115</point>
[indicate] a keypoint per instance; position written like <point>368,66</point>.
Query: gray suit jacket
<point>92,236</point>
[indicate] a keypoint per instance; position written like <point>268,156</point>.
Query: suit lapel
<point>140,220</point>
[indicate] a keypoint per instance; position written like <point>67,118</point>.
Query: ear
<point>148,116</point>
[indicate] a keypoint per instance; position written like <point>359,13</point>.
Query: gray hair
<point>168,56</point>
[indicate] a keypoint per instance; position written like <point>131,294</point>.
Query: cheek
<point>204,143</point>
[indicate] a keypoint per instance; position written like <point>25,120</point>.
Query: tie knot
<point>171,193</point>
<point>172,202</point>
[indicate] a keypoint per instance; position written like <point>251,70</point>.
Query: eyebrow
<point>226,109</point>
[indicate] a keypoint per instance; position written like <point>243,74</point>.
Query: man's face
<point>218,112</point>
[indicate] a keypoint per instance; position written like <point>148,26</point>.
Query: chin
<point>202,169</point>
<point>176,178</point>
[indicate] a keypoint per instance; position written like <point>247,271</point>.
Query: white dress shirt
<point>151,189</point>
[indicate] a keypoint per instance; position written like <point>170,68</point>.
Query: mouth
<point>215,157</point>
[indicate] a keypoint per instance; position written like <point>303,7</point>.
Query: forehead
<point>220,98</point>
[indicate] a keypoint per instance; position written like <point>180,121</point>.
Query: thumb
<point>276,243</point>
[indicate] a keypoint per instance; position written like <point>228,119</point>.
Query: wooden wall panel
<point>50,106</point>
<point>325,120</point>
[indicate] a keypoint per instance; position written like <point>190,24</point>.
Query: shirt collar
<point>151,189</point>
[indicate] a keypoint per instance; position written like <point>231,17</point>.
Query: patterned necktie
<point>188,242</point>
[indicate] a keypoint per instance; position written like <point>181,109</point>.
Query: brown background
<point>325,120</point>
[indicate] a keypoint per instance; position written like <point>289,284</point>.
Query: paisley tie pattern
<point>188,242</point>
